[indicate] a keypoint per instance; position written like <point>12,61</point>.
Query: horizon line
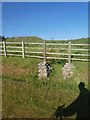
<point>44,37</point>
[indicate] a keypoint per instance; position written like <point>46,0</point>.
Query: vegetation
<point>2,38</point>
<point>26,96</point>
<point>38,39</point>
<point>26,39</point>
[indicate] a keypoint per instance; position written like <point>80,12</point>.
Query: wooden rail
<point>46,51</point>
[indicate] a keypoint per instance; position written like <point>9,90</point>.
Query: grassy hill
<point>81,40</point>
<point>26,39</point>
<point>38,39</point>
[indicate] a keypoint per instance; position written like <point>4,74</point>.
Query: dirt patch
<point>12,70</point>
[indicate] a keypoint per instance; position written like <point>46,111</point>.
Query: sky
<point>45,0</point>
<point>48,20</point>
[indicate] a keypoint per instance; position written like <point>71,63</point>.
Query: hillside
<point>82,40</point>
<point>38,39</point>
<point>27,39</point>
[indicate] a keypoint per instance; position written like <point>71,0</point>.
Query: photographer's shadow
<point>80,106</point>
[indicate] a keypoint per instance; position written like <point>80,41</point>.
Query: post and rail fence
<point>45,50</point>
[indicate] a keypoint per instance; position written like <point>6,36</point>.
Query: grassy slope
<point>37,39</point>
<point>24,95</point>
<point>26,39</point>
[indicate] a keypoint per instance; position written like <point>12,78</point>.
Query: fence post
<point>44,50</point>
<point>23,50</point>
<point>69,53</point>
<point>4,46</point>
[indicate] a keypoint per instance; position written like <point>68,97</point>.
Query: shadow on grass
<point>80,107</point>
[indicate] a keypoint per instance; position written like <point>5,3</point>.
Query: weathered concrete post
<point>67,70</point>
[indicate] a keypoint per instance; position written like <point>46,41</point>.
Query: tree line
<point>2,38</point>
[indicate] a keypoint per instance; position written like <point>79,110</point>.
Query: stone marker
<point>67,70</point>
<point>44,70</point>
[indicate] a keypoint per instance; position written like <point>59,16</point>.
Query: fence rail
<point>46,51</point>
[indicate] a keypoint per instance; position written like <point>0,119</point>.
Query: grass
<point>26,96</point>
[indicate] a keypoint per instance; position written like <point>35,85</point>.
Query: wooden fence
<point>46,51</point>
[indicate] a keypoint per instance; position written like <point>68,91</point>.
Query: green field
<point>26,96</point>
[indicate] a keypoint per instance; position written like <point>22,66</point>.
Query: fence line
<point>14,51</point>
<point>27,49</point>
